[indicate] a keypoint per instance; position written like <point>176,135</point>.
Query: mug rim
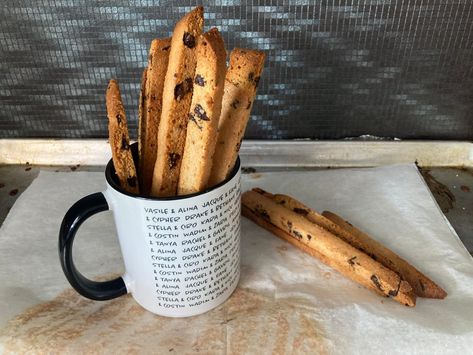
<point>110,172</point>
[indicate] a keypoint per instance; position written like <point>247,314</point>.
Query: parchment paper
<point>287,301</point>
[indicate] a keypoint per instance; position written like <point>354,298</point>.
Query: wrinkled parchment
<point>286,302</point>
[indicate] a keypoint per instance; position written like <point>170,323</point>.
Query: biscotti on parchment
<point>330,249</point>
<point>177,96</point>
<point>204,113</point>
<point>119,139</point>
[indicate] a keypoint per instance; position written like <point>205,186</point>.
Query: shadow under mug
<point>181,254</point>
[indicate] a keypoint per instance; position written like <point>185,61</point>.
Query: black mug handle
<point>78,213</point>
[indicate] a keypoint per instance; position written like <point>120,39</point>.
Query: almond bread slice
<point>241,83</point>
<point>204,113</point>
<point>177,96</point>
<point>152,99</point>
<point>120,140</point>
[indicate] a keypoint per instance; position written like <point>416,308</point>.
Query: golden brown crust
<point>119,139</point>
<point>177,96</point>
<point>241,83</point>
<point>151,102</point>
<point>142,119</point>
<point>422,285</point>
<point>204,113</point>
<point>336,253</point>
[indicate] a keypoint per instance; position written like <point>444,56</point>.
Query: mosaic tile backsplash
<point>334,69</point>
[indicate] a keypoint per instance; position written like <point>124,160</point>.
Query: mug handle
<point>78,213</point>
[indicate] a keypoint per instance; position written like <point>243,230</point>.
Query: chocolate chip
<point>238,145</point>
<point>200,112</point>
<point>256,81</point>
<point>189,40</point>
<point>351,261</point>
<point>131,181</point>
<point>309,237</point>
<point>166,48</point>
<point>249,105</point>
<point>235,103</point>
<point>301,211</point>
<point>125,145</point>
<point>251,76</point>
<point>13,192</point>
<point>28,168</point>
<point>119,118</point>
<point>376,282</point>
<point>263,214</point>
<point>173,159</point>
<point>289,225</point>
<point>192,118</point>
<point>297,234</point>
<point>182,89</point>
<point>199,80</point>
<point>179,91</point>
<point>393,293</point>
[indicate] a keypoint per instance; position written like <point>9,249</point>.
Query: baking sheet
<point>286,301</point>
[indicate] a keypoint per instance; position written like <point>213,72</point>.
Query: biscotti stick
<point>119,139</point>
<point>177,96</point>
<point>338,254</point>
<point>204,113</point>
<point>142,113</point>
<point>152,105</point>
<point>239,93</point>
<point>422,285</point>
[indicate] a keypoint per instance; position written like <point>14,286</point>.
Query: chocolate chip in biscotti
<point>200,112</point>
<point>165,48</point>
<point>131,181</point>
<point>301,211</point>
<point>192,118</point>
<point>189,40</point>
<point>199,80</point>
<point>119,118</point>
<point>125,145</point>
<point>235,103</point>
<point>238,145</point>
<point>351,261</point>
<point>173,159</point>
<point>249,105</point>
<point>252,78</point>
<point>376,282</point>
<point>182,89</point>
<point>393,293</point>
<point>261,212</point>
<point>297,234</point>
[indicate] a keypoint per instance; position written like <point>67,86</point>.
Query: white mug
<point>181,254</point>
